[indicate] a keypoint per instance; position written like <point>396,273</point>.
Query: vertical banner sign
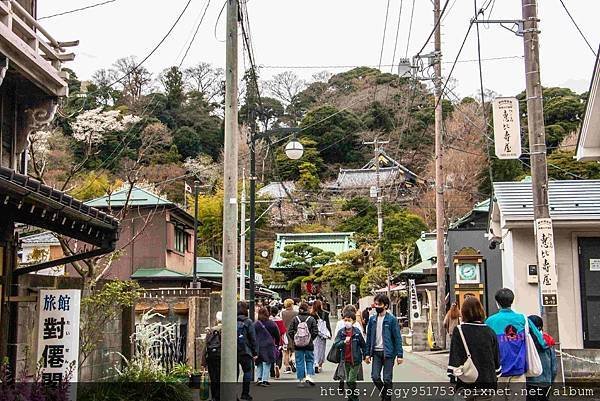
<point>58,335</point>
<point>507,128</point>
<point>415,308</point>
<point>547,266</point>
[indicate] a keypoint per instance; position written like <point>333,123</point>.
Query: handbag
<point>340,372</point>
<point>467,372</point>
<point>534,363</point>
<point>204,386</point>
<point>334,355</point>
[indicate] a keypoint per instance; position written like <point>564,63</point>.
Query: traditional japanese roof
<point>570,201</point>
<point>138,197</point>
<point>329,242</point>
<point>481,208</point>
<point>276,190</point>
<point>153,273</point>
<point>426,245</point>
<point>45,238</point>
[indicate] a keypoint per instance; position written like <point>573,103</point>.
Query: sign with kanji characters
<point>58,335</point>
<point>415,308</point>
<point>507,128</point>
<point>546,262</point>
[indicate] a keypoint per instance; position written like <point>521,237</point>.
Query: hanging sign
<point>546,261</point>
<point>507,128</point>
<point>415,308</point>
<point>58,335</point>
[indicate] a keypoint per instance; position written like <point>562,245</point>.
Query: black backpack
<point>242,333</point>
<point>213,343</point>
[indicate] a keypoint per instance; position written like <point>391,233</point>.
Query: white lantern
<point>294,149</point>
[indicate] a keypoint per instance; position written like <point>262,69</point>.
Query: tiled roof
<point>276,190</point>
<point>329,242</point>
<point>359,178</point>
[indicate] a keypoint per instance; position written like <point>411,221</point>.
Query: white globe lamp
<point>294,149</point>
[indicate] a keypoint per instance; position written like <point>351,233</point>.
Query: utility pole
<point>537,137</point>
<point>243,238</point>
<point>230,212</point>
<point>195,272</point>
<point>439,182</point>
<point>377,149</point>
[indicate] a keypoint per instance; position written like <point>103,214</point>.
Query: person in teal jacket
<point>538,387</point>
<point>509,327</point>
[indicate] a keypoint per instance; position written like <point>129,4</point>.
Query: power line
<point>412,14</point>
<point>437,23</point>
<point>77,10</point>
<point>578,29</point>
<point>195,33</point>
<point>397,32</point>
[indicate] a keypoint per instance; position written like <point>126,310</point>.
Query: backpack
<point>302,335</point>
<point>242,333</point>
<point>323,330</point>
<point>213,343</point>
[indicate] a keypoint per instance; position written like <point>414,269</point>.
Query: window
<point>181,238</point>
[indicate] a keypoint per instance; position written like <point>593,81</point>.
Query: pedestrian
<point>267,337</point>
<point>384,345</point>
<point>276,367</point>
<point>287,315</point>
<point>247,348</point>
<point>482,346</point>
<point>340,324</point>
<point>538,387</point>
<point>366,314</point>
<point>302,333</point>
<point>324,325</point>
<point>452,319</point>
<point>351,343</point>
<point>211,357</point>
<point>509,328</point>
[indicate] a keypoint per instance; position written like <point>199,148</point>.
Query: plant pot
<point>181,308</point>
<point>141,308</point>
<point>161,308</point>
<point>195,380</point>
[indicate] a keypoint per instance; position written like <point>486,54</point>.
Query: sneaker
<point>277,372</point>
<point>309,380</point>
<point>301,384</point>
<point>287,371</point>
<point>293,366</point>
<point>317,370</point>
<point>246,397</point>
<point>264,384</point>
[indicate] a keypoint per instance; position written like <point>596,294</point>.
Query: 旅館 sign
<point>58,335</point>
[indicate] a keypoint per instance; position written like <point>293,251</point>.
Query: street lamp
<point>293,150</point>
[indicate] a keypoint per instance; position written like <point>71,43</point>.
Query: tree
<point>336,134</point>
<point>289,169</point>
<point>374,279</point>
<point>378,118</point>
<point>172,80</point>
<point>285,86</point>
<point>206,79</point>
<point>302,256</point>
<point>562,165</point>
<point>400,231</point>
<point>348,268</point>
<point>135,80</point>
<point>309,178</point>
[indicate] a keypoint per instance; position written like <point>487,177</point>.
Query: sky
<point>326,33</point>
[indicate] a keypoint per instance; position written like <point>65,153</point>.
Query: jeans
<point>245,362</point>
<point>305,364</point>
<point>387,364</point>
<point>263,370</point>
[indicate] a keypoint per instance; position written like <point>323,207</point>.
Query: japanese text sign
<point>507,128</point>
<point>546,262</point>
<point>58,335</point>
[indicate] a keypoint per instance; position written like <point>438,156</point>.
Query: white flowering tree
<point>91,125</point>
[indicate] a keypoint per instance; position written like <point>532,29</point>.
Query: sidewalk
<point>438,358</point>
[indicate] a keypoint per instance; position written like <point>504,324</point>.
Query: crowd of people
<point>291,338</point>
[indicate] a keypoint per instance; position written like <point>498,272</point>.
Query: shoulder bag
<point>534,363</point>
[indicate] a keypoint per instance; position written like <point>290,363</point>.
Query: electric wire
<point>195,34</point>
<point>76,10</point>
<point>578,29</point>
<point>397,35</point>
<point>437,23</point>
<point>410,25</point>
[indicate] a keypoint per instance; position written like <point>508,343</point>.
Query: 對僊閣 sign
<point>507,128</point>
<point>58,335</point>
<point>546,262</point>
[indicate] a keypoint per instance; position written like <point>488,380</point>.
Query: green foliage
<point>93,185</point>
<point>378,118</point>
<point>101,307</point>
<point>364,220</point>
<point>210,224</point>
<point>336,134</point>
<point>304,257</point>
<point>346,81</point>
<point>312,228</point>
<point>309,178</point>
<point>348,268</point>
<point>174,88</point>
<point>563,166</point>
<point>374,279</point>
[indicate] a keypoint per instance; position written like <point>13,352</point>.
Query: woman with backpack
<point>267,337</point>
<point>474,361</point>
<point>247,347</point>
<point>324,326</point>
<point>302,333</point>
<point>211,357</point>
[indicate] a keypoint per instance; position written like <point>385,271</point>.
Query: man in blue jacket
<point>384,344</point>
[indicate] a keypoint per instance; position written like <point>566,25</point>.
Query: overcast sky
<point>306,33</point>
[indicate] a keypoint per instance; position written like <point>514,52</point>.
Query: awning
<point>28,201</point>
<point>394,287</point>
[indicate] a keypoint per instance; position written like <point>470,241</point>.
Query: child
<point>538,387</point>
<point>351,343</point>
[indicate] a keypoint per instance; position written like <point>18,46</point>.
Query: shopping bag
<point>334,354</point>
<point>340,372</point>
<point>204,387</point>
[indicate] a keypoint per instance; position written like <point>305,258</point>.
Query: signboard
<point>415,308</point>
<point>467,273</point>
<point>507,128</point>
<point>58,335</point>
<point>532,274</point>
<point>546,260</point>
<point>595,265</point>
<point>373,192</point>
